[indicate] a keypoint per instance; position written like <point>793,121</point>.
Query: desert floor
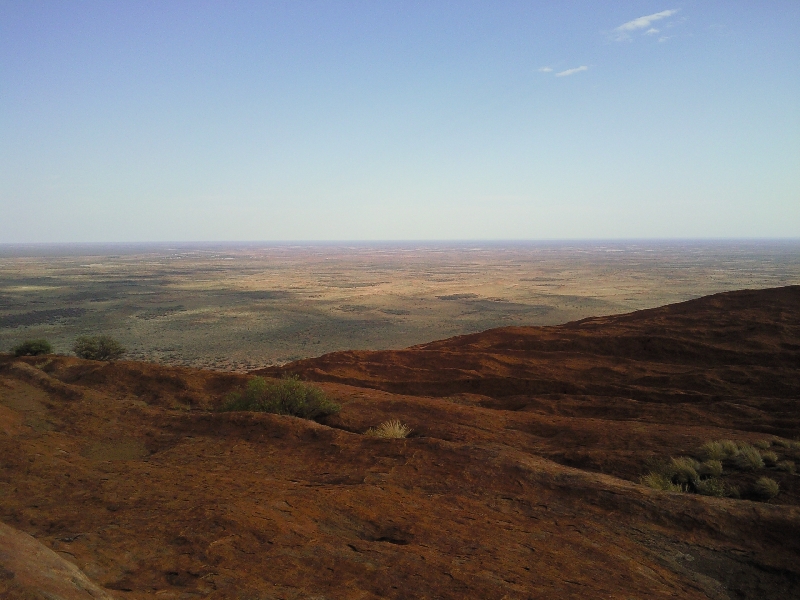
<point>241,307</point>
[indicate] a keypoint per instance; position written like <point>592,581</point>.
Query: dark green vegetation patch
<point>33,348</point>
<point>40,317</point>
<point>284,397</point>
<point>98,347</point>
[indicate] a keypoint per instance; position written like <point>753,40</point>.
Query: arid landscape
<point>240,307</point>
<point>522,476</point>
<point>399,300</point>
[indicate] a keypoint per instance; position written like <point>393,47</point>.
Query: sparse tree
<point>33,348</point>
<point>98,347</point>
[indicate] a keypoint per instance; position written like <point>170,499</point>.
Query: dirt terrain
<point>241,307</point>
<point>520,478</point>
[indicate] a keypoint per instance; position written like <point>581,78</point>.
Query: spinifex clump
<point>288,396</point>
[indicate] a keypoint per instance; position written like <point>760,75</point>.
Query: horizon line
<point>410,241</point>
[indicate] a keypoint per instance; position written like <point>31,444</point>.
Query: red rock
<point>519,480</point>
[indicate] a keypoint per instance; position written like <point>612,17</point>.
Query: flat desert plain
<point>238,307</point>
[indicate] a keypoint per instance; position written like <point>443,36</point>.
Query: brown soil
<point>518,481</point>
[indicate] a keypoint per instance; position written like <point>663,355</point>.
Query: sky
<point>388,120</point>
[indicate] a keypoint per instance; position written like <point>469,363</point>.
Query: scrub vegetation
<point>288,396</point>
<point>33,348</point>
<point>390,429</point>
<point>98,347</point>
<point>724,468</point>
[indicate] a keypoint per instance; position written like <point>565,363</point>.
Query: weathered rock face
<point>28,569</point>
<point>519,480</point>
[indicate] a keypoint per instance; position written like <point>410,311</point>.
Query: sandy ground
<point>240,307</point>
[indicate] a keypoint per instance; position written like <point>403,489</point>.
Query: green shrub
<point>98,347</point>
<point>683,470</point>
<point>389,429</point>
<point>33,348</point>
<point>762,444</point>
<point>660,481</point>
<point>285,397</point>
<point>785,465</point>
<point>710,468</point>
<point>766,488</point>
<point>770,458</point>
<point>711,487</point>
<point>749,458</point>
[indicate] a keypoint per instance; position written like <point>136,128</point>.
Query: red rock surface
<point>519,480</point>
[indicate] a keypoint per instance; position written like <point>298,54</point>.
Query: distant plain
<point>243,306</point>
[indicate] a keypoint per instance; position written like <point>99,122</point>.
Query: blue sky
<point>182,121</point>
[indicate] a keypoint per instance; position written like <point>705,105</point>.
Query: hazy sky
<point>322,120</point>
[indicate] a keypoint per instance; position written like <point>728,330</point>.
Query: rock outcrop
<point>520,478</point>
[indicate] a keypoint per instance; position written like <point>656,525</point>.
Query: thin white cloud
<point>622,32</point>
<point>651,31</point>
<point>643,22</point>
<point>572,71</point>
<point>545,70</point>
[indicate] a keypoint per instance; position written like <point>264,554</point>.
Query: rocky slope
<point>520,479</point>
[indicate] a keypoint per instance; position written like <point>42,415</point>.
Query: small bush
<point>285,397</point>
<point>766,488</point>
<point>683,470</point>
<point>770,458</point>
<point>730,447</point>
<point>710,468</point>
<point>719,450</point>
<point>711,487</point>
<point>659,481</point>
<point>749,458</point>
<point>713,451</point>
<point>389,429</point>
<point>781,442</point>
<point>785,465</point>
<point>762,444</point>
<point>33,348</point>
<point>98,347</point>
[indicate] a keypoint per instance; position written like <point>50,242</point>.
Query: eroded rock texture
<point>520,479</point>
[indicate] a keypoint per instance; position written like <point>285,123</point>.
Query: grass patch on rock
<point>288,396</point>
<point>726,468</point>
<point>766,488</point>
<point>749,458</point>
<point>393,429</point>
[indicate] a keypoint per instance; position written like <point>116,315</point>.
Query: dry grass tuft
<point>749,458</point>
<point>727,449</point>
<point>781,442</point>
<point>710,468</point>
<point>730,447</point>
<point>683,470</point>
<point>712,487</point>
<point>659,481</point>
<point>762,444</point>
<point>770,458</point>
<point>393,429</point>
<point>766,488</point>
<point>713,451</point>
<point>785,465</point>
